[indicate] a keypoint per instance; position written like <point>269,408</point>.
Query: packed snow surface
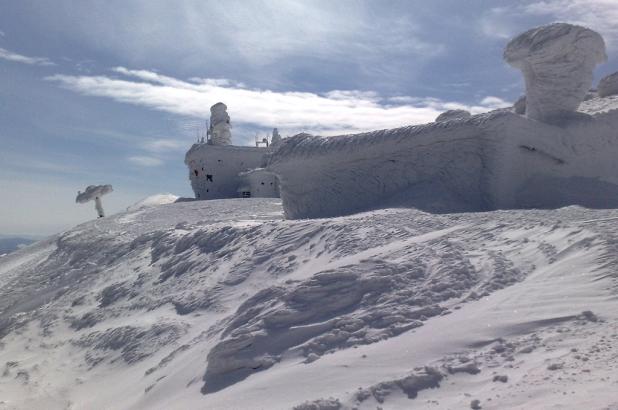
<point>154,200</point>
<point>225,305</point>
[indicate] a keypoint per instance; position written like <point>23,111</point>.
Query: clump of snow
<point>608,85</point>
<point>220,126</point>
<point>154,200</point>
<point>453,115</point>
<point>92,192</point>
<point>557,62</point>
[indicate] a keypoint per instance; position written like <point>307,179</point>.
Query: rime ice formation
<point>453,115</point>
<point>608,85</point>
<point>557,62</point>
<point>496,160</point>
<point>490,161</point>
<point>220,127</point>
<point>94,192</point>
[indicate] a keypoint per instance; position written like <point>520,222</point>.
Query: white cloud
<point>327,113</point>
<point>599,15</point>
<point>18,58</point>
<point>145,161</point>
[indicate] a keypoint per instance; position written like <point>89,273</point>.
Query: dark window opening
<point>195,170</point>
<point>208,177</point>
<point>202,168</point>
<point>271,183</point>
<point>262,183</point>
<point>246,194</point>
<point>218,160</point>
<point>207,190</point>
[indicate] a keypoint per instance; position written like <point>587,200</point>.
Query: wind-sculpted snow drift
<point>550,156</point>
<point>185,305</point>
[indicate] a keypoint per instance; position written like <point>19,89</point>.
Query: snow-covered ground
<point>224,305</point>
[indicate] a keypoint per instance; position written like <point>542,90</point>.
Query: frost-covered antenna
<point>94,192</point>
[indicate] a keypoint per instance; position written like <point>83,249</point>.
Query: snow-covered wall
<point>553,150</point>
<point>490,161</point>
<point>214,169</point>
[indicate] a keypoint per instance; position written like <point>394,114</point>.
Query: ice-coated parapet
<point>608,85</point>
<point>453,115</point>
<point>520,105</point>
<point>557,62</point>
<point>220,126</point>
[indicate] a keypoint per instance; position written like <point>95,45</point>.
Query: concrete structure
<point>214,169</point>
<point>258,183</point>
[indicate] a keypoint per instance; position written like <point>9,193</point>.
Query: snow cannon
<point>94,193</point>
<point>557,61</point>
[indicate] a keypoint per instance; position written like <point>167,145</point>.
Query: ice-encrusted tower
<point>220,127</point>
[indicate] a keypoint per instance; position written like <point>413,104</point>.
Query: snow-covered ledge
<point>557,62</point>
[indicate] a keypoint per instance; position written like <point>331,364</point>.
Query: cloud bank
<point>18,58</point>
<point>329,113</point>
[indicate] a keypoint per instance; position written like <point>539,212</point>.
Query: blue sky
<point>96,92</point>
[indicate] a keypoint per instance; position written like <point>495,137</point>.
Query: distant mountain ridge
<point>10,244</point>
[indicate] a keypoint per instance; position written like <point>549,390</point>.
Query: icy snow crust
<point>497,160</point>
<point>223,304</point>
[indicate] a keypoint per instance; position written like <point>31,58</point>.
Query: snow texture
<point>220,127</point>
<point>453,115</point>
<point>154,200</point>
<point>222,304</point>
<point>557,62</point>
<point>608,85</point>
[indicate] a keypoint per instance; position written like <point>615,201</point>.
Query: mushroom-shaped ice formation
<point>220,126</point>
<point>94,192</point>
<point>453,115</point>
<point>557,62</point>
<point>608,85</point>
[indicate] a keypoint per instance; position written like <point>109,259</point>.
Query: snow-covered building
<point>220,170</point>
